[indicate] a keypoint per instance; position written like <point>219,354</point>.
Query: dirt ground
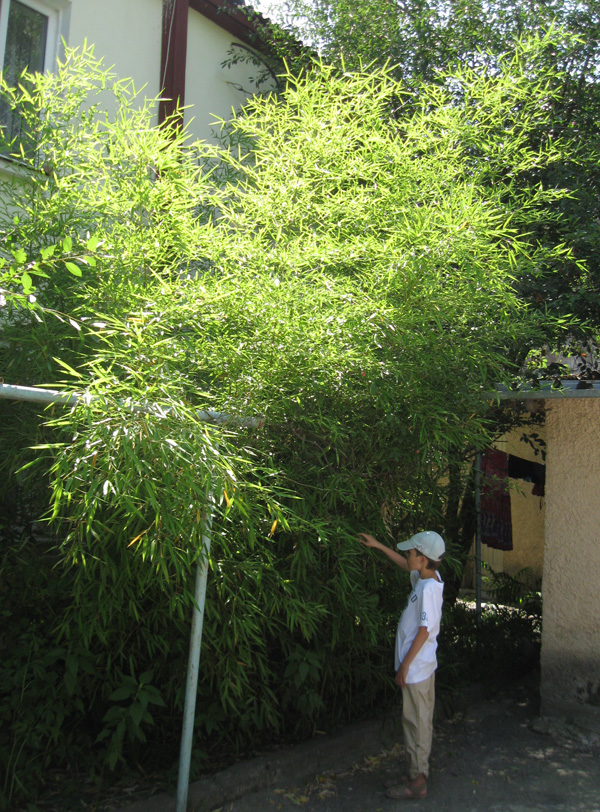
<point>496,756</point>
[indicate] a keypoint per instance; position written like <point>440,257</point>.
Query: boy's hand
<point>368,540</point>
<point>401,675</point>
<point>415,647</point>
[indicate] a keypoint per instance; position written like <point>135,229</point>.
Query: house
<point>570,659</point>
<point>171,47</point>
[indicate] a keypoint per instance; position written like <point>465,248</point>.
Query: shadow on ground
<point>498,755</point>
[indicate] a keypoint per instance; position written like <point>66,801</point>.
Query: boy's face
<point>414,558</point>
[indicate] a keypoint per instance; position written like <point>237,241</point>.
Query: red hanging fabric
<point>496,523</point>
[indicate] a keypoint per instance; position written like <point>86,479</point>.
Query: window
<point>31,33</point>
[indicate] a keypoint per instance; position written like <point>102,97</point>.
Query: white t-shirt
<point>423,608</point>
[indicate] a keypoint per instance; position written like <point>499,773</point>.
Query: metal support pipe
<point>48,396</point>
<point>191,689</point>
<point>33,395</point>
<point>478,536</point>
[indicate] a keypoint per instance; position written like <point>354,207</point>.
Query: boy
<point>416,644</point>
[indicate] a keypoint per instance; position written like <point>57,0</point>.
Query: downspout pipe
<point>173,59</point>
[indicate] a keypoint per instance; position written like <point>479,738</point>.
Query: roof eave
<point>549,391</point>
<point>232,19</point>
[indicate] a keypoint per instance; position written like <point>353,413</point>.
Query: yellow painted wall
<point>527,511</point>
<point>528,519</point>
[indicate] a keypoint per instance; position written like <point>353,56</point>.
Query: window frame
<point>58,14</point>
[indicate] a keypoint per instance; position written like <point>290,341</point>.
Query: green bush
<point>500,646</point>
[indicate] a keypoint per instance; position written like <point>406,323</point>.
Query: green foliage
<point>346,277</point>
<point>41,681</point>
<point>518,590</point>
<point>128,718</point>
<point>424,40</point>
<point>504,645</point>
<point>499,645</point>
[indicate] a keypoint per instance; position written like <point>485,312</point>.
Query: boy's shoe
<point>393,782</point>
<point>407,792</point>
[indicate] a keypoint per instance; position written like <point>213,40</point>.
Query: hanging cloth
<point>496,523</point>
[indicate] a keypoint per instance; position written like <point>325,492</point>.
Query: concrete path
<point>496,756</point>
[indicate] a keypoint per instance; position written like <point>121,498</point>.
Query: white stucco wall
<point>570,680</point>
<point>211,89</point>
<point>125,33</point>
<point>128,35</point>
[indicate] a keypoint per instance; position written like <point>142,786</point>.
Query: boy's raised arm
<point>370,541</point>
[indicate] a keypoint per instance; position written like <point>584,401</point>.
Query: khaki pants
<point>418,702</point>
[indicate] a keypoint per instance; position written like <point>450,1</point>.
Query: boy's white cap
<point>429,543</point>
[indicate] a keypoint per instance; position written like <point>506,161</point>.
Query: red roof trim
<point>227,14</point>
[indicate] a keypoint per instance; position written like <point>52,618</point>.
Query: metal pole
<point>191,689</point>
<point>33,395</point>
<point>478,536</point>
<point>48,396</point>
